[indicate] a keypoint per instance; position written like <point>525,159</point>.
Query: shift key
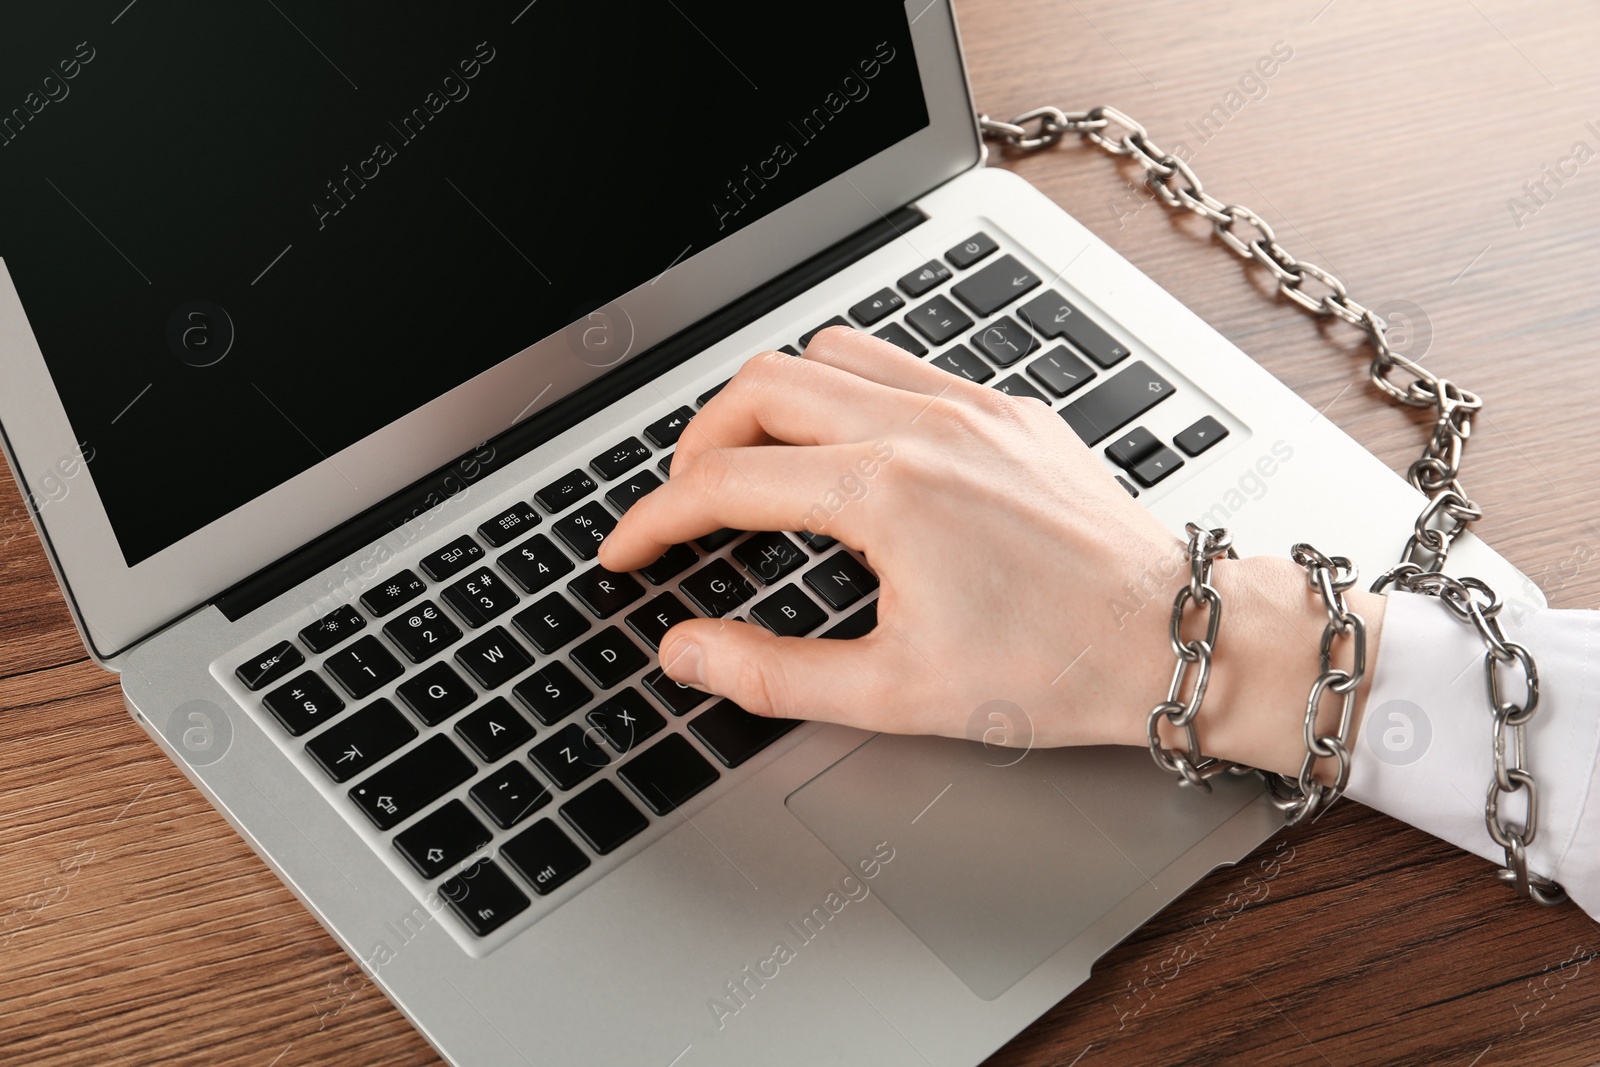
<point>412,782</point>
<point>1117,402</point>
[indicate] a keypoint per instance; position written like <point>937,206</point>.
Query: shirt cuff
<point>1424,752</point>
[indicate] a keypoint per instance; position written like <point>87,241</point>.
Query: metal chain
<point>1190,766</point>
<point>1436,473</point>
<point>1330,577</point>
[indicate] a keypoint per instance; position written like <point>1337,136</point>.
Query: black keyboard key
<point>628,492</point>
<point>605,592</point>
<point>805,338</point>
<point>676,698</point>
<point>569,756</point>
<point>1100,412</point>
<point>536,563</point>
<point>819,542</point>
<point>1004,341</point>
<point>494,730</point>
<point>734,735</point>
<point>654,619</point>
<point>436,694</point>
<point>789,350</point>
<point>1060,371</point>
<point>552,693</point>
<point>1017,385</point>
<point>452,559</point>
<point>1201,436</point>
<point>480,597</point>
<point>1053,316</point>
<point>332,628</point>
<point>1156,466</point>
<point>509,525</point>
<point>716,588</point>
<point>303,703</point>
<point>510,795</point>
<point>924,278</point>
<point>671,563</point>
<point>584,529</point>
<point>859,624</point>
<point>665,431</point>
<point>395,590</point>
<point>493,659</point>
<point>1131,446</point>
<point>422,631</point>
<point>995,286</point>
<point>665,466</point>
<point>875,307</point>
<point>971,250</point>
<point>550,623</point>
<point>706,396</point>
<point>716,539</point>
<point>1128,486</point>
<point>276,662</point>
<point>896,335</point>
<point>626,720</point>
<point>620,458</point>
<point>938,320</point>
<point>442,839</point>
<point>841,580</point>
<point>960,361</point>
<point>544,856</point>
<point>789,613</point>
<point>666,775</point>
<point>363,668</point>
<point>603,817</point>
<point>608,657</point>
<point>352,745</point>
<point>770,556</point>
<point>564,491</point>
<point>419,777</point>
<point>483,896</point>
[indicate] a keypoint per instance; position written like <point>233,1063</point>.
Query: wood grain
<point>142,930</point>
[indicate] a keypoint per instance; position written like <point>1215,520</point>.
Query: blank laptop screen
<point>247,235</point>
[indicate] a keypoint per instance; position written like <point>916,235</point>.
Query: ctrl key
<point>544,856</point>
<point>484,897</point>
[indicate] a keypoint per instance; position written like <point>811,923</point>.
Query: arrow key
<point>1156,466</point>
<point>1201,436</point>
<point>442,840</point>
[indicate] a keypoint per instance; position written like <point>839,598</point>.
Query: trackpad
<point>1003,857</point>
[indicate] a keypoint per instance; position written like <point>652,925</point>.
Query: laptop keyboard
<point>500,718</point>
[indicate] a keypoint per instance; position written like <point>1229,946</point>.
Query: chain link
<point>1195,654</point>
<point>1436,474</point>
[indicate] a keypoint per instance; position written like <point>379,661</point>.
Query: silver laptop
<point>332,344</point>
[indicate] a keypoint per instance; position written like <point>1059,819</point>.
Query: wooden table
<point>1387,148</point>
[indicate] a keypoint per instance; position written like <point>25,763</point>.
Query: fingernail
<point>688,664</point>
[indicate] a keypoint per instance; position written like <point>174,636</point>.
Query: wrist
<point>1265,661</point>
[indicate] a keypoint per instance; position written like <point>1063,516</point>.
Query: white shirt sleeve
<point>1424,752</point>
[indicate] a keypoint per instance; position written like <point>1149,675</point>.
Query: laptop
<point>333,343</point>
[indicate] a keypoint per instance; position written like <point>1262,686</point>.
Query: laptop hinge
<point>432,490</point>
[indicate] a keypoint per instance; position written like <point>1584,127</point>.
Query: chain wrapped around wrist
<point>1436,474</point>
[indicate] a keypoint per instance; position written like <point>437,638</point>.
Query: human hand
<point>1012,567</point>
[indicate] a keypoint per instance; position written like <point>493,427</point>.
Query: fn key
<point>484,896</point>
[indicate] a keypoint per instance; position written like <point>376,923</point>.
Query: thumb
<point>788,677</point>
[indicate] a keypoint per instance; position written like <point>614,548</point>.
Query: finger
<point>851,682</point>
<point>799,401</point>
<point>877,360</point>
<point>766,487</point>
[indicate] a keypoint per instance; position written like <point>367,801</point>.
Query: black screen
<point>247,235</point>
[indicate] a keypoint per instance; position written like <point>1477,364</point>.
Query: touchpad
<point>1002,857</point>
